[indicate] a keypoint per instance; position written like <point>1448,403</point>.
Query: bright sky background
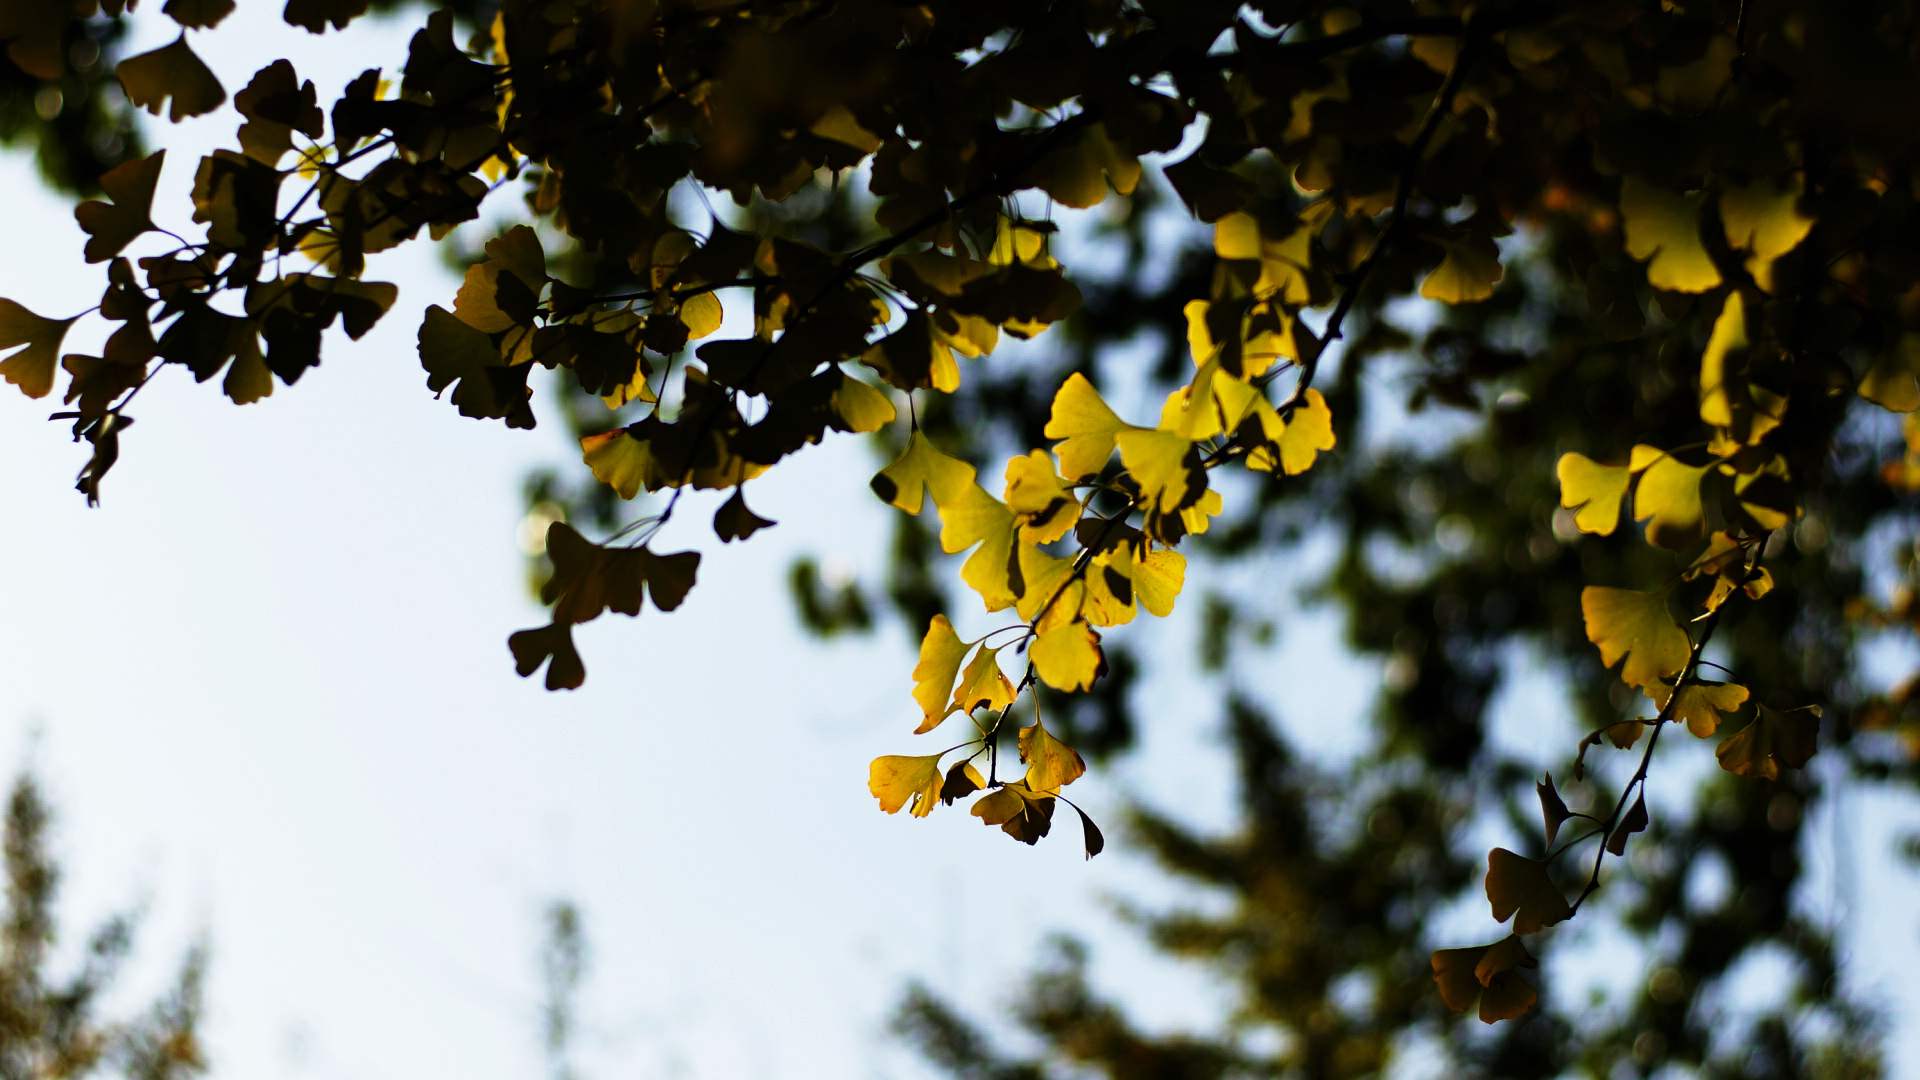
<point>268,689</point>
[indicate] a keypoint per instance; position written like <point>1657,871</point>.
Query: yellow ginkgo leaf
<point>1701,704</point>
<point>617,460</point>
<point>1665,228</point>
<point>1086,426</point>
<point>1765,221</point>
<point>860,407</point>
<point>897,780</point>
<point>1109,588</point>
<point>702,315</point>
<point>1157,578</point>
<point>1309,431</point>
<point>1068,657</point>
<point>1893,380</point>
<point>1592,491</point>
<point>1727,399</point>
<point>1051,764</point>
<point>1668,500</point>
<point>975,517</point>
<point>921,469</point>
<point>1775,738</point>
<point>983,685</point>
<point>1166,467</point>
<point>1467,274</point>
<point>1519,888</point>
<point>1489,973</point>
<point>941,651</point>
<point>1038,499</point>
<point>1053,594</point>
<point>1635,625</point>
<point>1283,262</point>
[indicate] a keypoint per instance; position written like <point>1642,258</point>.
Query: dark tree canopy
<point>1641,274</point>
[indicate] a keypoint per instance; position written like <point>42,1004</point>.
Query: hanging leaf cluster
<point>1734,161</point>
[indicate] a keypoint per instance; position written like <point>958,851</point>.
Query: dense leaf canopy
<point>1656,256</point>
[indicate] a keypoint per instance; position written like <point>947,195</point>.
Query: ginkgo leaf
<point>1728,399</point>
<point>315,16</point>
<point>941,652</point>
<point>983,685</point>
<point>1051,764</point>
<point>922,469</point>
<point>1635,820</point>
<point>1095,842</point>
<point>1553,810</point>
<point>276,105</point>
<point>1038,499</point>
<point>199,14</point>
<point>1593,491</point>
<point>1892,381</point>
<point>111,226</point>
<point>171,71</point>
<point>1284,262</point>
<point>1468,273</point>
<point>1309,431</point>
<point>1635,625</point>
<point>1665,228</point>
<point>860,407</point>
<point>1765,221</point>
<point>1489,974</point>
<point>913,782</point>
<point>617,460</point>
<point>1668,500</point>
<point>1086,426</point>
<point>551,645</point>
<point>1021,812</point>
<point>1519,888</point>
<point>1157,579</point>
<point>1774,738</point>
<point>1052,593</point>
<point>1701,704</point>
<point>1165,465</point>
<point>733,521</point>
<point>962,780</point>
<point>30,368</point>
<point>1068,657</point>
<point>702,315</point>
<point>975,517</point>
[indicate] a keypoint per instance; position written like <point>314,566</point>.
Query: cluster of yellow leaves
<point>1663,227</point>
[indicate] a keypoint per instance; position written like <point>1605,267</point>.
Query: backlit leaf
<point>983,685</point>
<point>913,782</point>
<point>171,71</point>
<point>921,469</point>
<point>1701,705</point>
<point>1893,379</point>
<point>1467,274</point>
<point>111,226</point>
<point>30,368</point>
<point>1021,812</point>
<point>1774,739</point>
<point>941,652</point>
<point>1593,491</point>
<point>1051,764</point>
<point>1634,821</point>
<point>962,780</point>
<point>1627,623</point>
<point>1665,228</point>
<point>1309,431</point>
<point>1668,500</point>
<point>1038,499</point>
<point>1086,426</point>
<point>1068,657</point>
<point>1519,888</point>
<point>1766,221</point>
<point>1553,811</point>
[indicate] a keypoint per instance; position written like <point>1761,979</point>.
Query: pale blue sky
<point>274,700</point>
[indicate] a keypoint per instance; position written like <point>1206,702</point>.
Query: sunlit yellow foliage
<point>1665,228</point>
<point>1635,625</point>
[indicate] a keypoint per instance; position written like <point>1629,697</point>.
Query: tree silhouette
<point>52,1023</point>
<point>1641,269</point>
